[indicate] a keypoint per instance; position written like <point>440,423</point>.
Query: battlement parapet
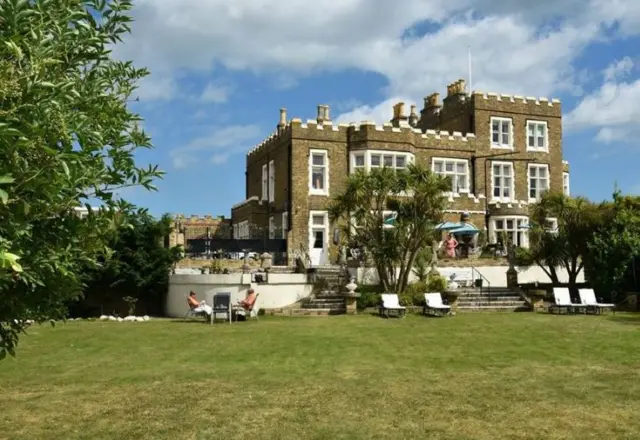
<point>194,218</point>
<point>504,98</point>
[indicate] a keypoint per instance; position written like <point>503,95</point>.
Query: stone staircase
<point>328,301</point>
<point>499,299</point>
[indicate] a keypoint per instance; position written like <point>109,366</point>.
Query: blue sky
<point>222,70</point>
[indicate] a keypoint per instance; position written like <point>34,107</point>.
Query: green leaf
<point>4,197</point>
<point>6,179</point>
<point>65,167</point>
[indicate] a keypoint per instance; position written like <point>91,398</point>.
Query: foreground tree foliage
<point>613,246</point>
<point>366,199</point>
<point>138,268</point>
<point>66,137</point>
<point>578,220</point>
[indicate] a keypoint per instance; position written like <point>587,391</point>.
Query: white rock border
<point>126,319</point>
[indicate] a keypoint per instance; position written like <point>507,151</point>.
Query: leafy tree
<point>612,248</point>
<point>416,195</point>
<point>66,137</point>
<point>578,219</point>
<point>137,271</point>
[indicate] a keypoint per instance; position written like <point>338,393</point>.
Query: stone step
<point>493,309</point>
<point>322,306</point>
<point>325,301</point>
<point>329,296</point>
<point>317,312</point>
<point>492,304</point>
<point>487,297</point>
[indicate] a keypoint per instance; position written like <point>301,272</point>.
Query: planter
<point>537,298</point>
<point>478,282</point>
<point>351,300</point>
<point>452,298</point>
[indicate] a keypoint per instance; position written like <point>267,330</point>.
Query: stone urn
<point>537,296</point>
<point>351,297</point>
<point>452,298</point>
<point>267,261</point>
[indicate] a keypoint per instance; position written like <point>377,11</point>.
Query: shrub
<point>436,283</point>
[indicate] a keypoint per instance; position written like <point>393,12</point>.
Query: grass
<point>475,376</point>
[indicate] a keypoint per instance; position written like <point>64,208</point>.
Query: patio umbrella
<point>465,229</point>
<point>446,226</point>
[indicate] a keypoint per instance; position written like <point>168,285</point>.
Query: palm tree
<point>415,195</point>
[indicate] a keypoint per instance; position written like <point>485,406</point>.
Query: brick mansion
<point>501,153</point>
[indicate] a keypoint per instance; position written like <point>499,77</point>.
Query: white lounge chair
<point>434,305</point>
<point>391,303</point>
<point>588,298</point>
<point>562,298</point>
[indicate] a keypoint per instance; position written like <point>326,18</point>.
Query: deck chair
<point>391,303</point>
<point>252,313</point>
<point>562,299</point>
<point>434,305</point>
<point>221,305</point>
<point>588,298</point>
<point>191,313</point>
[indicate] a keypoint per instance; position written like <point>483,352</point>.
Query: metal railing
<point>484,279</point>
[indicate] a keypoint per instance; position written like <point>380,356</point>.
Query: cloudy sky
<point>221,70</point>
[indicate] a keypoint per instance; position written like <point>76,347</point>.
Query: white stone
<point>119,319</point>
<point>112,318</point>
<point>130,318</point>
<point>146,317</point>
<point>140,319</point>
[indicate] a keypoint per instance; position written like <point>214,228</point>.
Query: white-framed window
<point>358,161</point>
<point>367,160</point>
<point>538,180</point>
<point>272,227</point>
<point>501,133</point>
<point>537,136</point>
<point>265,180</point>
<point>513,229</point>
<point>551,225</point>
<point>285,224</point>
<point>272,181</point>
<point>502,178</point>
<point>565,184</point>
<point>319,172</point>
<point>456,169</point>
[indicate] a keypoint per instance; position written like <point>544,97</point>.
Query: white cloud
<point>218,144</point>
<point>619,69</point>
<point>379,114</point>
<point>156,88</point>
<point>216,93</point>
<point>612,109</point>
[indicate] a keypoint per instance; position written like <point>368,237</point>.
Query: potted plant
<point>536,296</point>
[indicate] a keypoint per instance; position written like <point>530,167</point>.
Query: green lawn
<point>475,376</point>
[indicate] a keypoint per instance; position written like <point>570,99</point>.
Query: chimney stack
<point>413,116</point>
<point>399,118</point>
<point>323,114</point>
<point>283,119</point>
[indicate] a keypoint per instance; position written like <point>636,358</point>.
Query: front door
<point>317,247</point>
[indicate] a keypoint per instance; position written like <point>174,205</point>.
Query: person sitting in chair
<point>198,307</point>
<point>248,302</point>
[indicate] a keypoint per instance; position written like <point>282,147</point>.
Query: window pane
<point>510,225</point>
<point>388,161</point>
<point>496,191</point>
<point>507,170</point>
<point>437,166</point>
<point>448,167</point>
<point>318,178</point>
<point>400,161</point>
<point>495,126</point>
<point>505,139</point>
<point>505,127</point>
<point>360,160</point>
<point>541,142</point>
<point>375,160</point>
<point>500,224</point>
<point>318,159</point>
<point>542,172</point>
<point>462,182</point>
<point>541,130</point>
<point>533,171</point>
<point>532,141</point>
<point>497,170</point>
<point>530,129</point>
<point>495,137</point>
<point>318,220</point>
<point>460,166</point>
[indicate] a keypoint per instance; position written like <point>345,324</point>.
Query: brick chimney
<point>323,114</point>
<point>399,118</point>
